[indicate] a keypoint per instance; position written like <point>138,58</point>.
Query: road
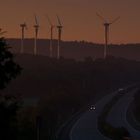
<point>86,127</point>
<point>117,115</point>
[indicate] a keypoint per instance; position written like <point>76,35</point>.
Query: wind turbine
<point>59,27</point>
<point>36,26</point>
<point>106,25</point>
<point>51,35</point>
<point>23,27</point>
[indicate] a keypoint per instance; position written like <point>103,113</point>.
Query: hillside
<point>43,76</point>
<point>77,49</point>
<point>62,87</point>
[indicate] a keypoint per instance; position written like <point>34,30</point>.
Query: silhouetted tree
<point>8,104</point>
<point>8,120</point>
<point>8,68</point>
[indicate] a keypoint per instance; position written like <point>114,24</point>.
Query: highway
<point>117,115</point>
<point>86,127</point>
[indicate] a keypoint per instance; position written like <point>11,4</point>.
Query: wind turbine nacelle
<point>23,25</point>
<point>36,26</point>
<point>106,24</point>
<point>60,27</point>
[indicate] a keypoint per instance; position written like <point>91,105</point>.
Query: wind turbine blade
<point>49,21</point>
<point>115,20</point>
<point>101,17</point>
<point>36,21</point>
<point>59,20</point>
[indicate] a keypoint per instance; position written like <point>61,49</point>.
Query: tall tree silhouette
<point>8,104</point>
<point>8,68</point>
<point>8,117</point>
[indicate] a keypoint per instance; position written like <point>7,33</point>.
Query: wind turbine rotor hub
<point>36,26</point>
<point>23,25</point>
<point>106,24</point>
<point>60,27</point>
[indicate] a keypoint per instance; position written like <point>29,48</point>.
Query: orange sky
<point>78,17</point>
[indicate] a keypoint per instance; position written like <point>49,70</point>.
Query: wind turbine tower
<point>36,26</point>
<point>59,27</point>
<point>23,27</point>
<point>51,36</point>
<point>107,28</point>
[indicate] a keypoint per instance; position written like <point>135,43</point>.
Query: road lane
<point>117,115</point>
<point>86,127</point>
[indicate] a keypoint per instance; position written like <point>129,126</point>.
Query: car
<point>121,91</point>
<point>92,107</point>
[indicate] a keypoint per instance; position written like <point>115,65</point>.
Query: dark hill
<point>42,76</point>
<point>77,49</point>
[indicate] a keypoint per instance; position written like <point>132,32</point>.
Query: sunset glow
<point>78,17</point>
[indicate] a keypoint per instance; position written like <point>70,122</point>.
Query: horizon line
<point>130,43</point>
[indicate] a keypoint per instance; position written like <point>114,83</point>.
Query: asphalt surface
<point>117,115</point>
<point>86,126</point>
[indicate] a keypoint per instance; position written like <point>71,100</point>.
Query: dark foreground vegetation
<point>60,89</point>
<point>8,104</point>
<point>136,108</point>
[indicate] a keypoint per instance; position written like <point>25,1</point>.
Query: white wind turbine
<point>106,26</point>
<point>59,27</point>
<point>23,27</point>
<point>36,26</point>
<point>51,35</point>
